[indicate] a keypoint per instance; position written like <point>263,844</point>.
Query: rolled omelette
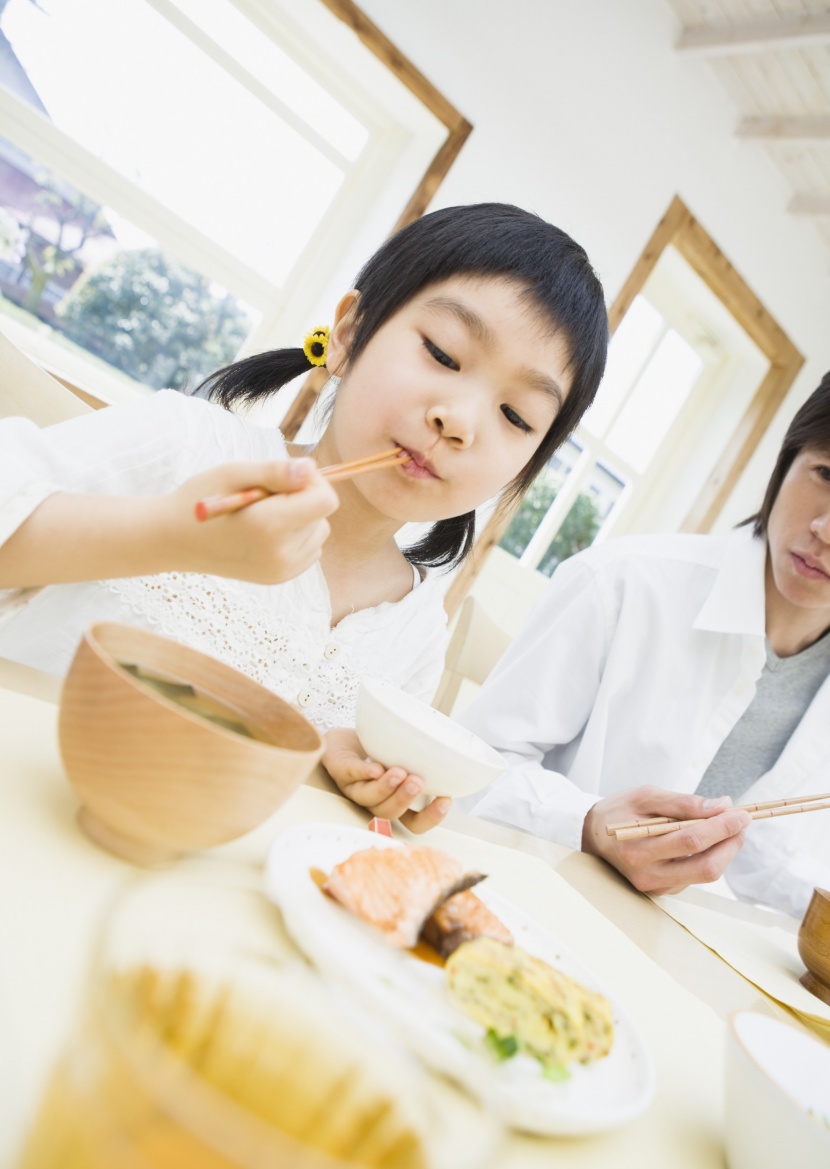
<point>516,996</point>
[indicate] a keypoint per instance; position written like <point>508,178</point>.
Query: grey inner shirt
<point>785,689</point>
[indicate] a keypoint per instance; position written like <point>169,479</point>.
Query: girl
<point>474,339</point>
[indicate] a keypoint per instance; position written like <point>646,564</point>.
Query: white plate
<point>410,995</point>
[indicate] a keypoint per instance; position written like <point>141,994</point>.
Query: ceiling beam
<point>797,32</point>
<point>814,205</point>
<point>810,128</point>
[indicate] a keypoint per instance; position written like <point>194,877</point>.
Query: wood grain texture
<point>756,36</point>
<point>814,945</point>
<point>679,228</point>
<point>155,779</point>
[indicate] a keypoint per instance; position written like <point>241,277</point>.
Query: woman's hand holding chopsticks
<point>695,854</point>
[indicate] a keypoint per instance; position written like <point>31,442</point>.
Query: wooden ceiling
<point>773,59</point>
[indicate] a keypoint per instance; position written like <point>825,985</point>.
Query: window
<point>651,372</point>
<point>181,178</point>
<point>697,369</point>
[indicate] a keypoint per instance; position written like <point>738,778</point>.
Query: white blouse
<point>281,635</point>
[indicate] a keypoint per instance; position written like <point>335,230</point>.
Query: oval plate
<point>411,997</point>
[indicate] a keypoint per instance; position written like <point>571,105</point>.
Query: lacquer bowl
<point>397,729</point>
<point>169,749</point>
<point>814,945</point>
<point>777,1095</point>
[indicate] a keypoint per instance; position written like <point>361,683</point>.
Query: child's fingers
<point>281,476</point>
<point>295,489</point>
<point>351,768</point>
<point>389,796</point>
<point>430,817</point>
<point>295,510</point>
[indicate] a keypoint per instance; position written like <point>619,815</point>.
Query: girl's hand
<point>266,542</point>
<point>385,792</point>
<point>71,537</point>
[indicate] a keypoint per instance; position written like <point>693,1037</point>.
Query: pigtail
<point>252,378</point>
<point>445,544</point>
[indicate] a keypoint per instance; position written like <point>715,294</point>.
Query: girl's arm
<point>77,537</point>
<point>111,494</point>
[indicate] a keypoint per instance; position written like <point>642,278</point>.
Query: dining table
<point>57,885</point>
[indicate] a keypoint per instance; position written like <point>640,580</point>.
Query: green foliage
<point>535,504</point>
<point>580,526</point>
<point>71,213</point>
<point>159,322</point>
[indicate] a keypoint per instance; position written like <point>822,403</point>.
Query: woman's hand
<point>385,792</point>
<point>666,864</point>
<point>266,542</point>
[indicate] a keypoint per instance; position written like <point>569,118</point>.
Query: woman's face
<point>798,534</point>
<point>467,377</point>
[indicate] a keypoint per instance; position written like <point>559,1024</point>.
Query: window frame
<point>679,228</point>
<point>280,307</point>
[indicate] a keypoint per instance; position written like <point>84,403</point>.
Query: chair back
<point>27,391</point>
<point>476,645</point>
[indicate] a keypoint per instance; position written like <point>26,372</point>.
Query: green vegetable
<point>556,1072</point>
<point>502,1047</point>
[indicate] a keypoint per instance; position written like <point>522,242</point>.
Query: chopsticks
<point>662,825</point>
<point>216,505</point>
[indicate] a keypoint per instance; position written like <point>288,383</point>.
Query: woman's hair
<point>809,428</point>
<point>479,240</point>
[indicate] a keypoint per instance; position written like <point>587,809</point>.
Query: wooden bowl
<point>814,945</point>
<point>156,778</point>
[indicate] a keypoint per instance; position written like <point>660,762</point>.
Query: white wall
<point>583,112</point>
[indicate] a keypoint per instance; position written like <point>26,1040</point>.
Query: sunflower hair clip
<point>315,345</point>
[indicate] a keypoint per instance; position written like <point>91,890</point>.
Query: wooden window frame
<point>458,130</point>
<point>76,164</point>
<point>681,230</point>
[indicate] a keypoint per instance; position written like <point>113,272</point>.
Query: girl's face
<point>798,535</point>
<point>467,377</point>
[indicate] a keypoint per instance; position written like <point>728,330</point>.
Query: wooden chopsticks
<point>216,505</point>
<point>661,825</point>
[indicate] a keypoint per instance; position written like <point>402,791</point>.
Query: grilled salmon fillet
<point>397,889</point>
<point>460,919</point>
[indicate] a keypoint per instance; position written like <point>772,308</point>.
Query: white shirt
<point>281,635</point>
<point>632,669</point>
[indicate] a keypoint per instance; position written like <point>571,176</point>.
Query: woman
<point>696,666</point>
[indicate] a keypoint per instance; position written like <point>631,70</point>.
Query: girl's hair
<point>809,428</point>
<point>479,240</point>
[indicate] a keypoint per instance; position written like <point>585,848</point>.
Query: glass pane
<point>274,69</point>
<point>580,526</point>
<point>168,118</point>
<point>655,401</point>
<point>103,287</point>
<point>628,352</point>
<point>539,497</point>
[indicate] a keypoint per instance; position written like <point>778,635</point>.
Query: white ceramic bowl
<point>398,730</point>
<point>777,1095</point>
